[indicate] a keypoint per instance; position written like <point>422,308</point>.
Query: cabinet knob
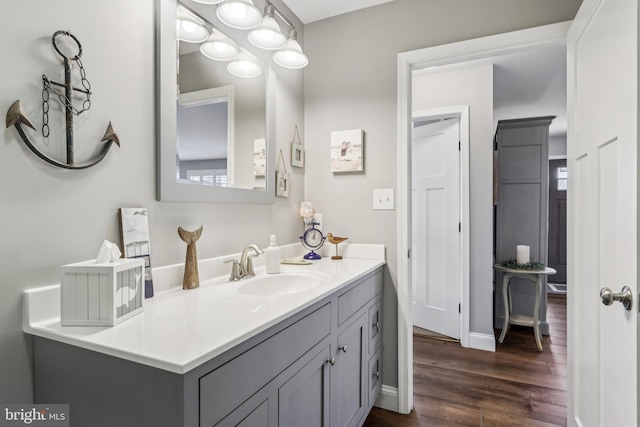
<point>376,374</point>
<point>332,361</point>
<point>376,325</point>
<point>343,348</point>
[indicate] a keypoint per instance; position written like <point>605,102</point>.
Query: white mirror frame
<point>167,187</point>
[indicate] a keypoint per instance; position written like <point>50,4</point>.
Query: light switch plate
<point>383,199</point>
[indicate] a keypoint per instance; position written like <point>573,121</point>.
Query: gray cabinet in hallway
<point>522,206</point>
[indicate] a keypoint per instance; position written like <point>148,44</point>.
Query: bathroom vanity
<point>225,354</point>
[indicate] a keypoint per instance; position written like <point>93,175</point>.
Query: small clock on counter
<point>312,240</point>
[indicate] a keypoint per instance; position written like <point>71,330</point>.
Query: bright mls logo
<point>34,415</point>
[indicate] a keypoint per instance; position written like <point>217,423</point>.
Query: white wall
<point>557,145</point>
<point>351,82</point>
<point>472,87</point>
<point>51,216</point>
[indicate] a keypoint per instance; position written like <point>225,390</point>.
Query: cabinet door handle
<point>376,374</point>
<point>332,361</point>
<point>376,325</point>
<point>343,348</point>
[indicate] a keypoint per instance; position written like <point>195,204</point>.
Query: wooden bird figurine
<point>335,240</point>
<point>191,278</point>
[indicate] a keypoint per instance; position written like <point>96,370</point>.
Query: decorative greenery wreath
<point>531,265</point>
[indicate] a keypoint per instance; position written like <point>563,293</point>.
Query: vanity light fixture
<point>239,14</point>
<point>219,48</point>
<point>244,66</point>
<point>189,27</point>
<point>268,35</point>
<point>291,56</point>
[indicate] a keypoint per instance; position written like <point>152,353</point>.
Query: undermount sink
<point>282,283</point>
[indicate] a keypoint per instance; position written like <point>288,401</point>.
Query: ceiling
<point>315,10</point>
<point>532,84</point>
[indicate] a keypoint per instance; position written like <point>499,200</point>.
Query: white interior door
<point>603,214</point>
<point>435,254</point>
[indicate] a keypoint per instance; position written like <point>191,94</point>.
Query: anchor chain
<point>46,87</point>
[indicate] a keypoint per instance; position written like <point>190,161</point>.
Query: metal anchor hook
<point>16,115</point>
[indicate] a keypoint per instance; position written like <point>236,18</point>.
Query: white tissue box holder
<point>103,294</point>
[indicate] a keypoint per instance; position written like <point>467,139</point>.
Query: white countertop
<point>181,329</point>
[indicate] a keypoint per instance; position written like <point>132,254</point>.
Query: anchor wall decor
<point>16,116</point>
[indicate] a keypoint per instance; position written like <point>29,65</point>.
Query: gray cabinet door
<point>304,399</point>
<point>348,375</point>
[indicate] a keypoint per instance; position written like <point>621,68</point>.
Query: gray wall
<point>351,83</point>
<point>52,216</point>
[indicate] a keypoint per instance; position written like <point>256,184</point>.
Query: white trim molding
<point>445,55</point>
<point>388,398</point>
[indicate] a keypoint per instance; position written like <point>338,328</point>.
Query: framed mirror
<point>215,130</point>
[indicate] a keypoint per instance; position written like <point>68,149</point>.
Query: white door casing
<point>454,53</point>
<point>436,237</point>
<point>602,210</point>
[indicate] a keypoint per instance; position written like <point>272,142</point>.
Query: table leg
<point>536,311</point>
<point>507,306</point>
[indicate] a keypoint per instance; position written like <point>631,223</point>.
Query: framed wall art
<point>347,151</point>
<point>282,178</point>
<point>259,157</point>
<point>297,150</point>
<point>134,237</point>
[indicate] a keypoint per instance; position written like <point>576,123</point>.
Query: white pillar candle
<point>522,254</point>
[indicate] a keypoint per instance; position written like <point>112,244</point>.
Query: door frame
<point>462,113</point>
<point>451,54</point>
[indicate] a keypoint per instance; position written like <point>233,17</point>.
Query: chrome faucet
<point>246,260</point>
<point>244,267</point>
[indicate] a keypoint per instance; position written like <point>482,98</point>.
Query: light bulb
<point>239,10</point>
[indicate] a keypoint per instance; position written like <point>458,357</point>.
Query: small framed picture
<point>259,157</point>
<point>134,238</point>
<point>282,184</point>
<point>297,155</point>
<point>347,151</point>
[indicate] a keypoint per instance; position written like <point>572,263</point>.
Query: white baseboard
<point>388,398</point>
<point>479,341</point>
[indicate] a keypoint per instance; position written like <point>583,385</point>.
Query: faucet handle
<point>249,270</point>
<point>235,268</point>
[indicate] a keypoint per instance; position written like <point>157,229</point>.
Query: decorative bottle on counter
<point>273,256</point>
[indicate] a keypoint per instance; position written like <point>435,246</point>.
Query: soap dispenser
<point>273,256</point>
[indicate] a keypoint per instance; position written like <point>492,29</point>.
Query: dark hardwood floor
<point>515,386</point>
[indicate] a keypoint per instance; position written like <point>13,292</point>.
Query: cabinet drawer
<point>375,377</point>
<point>375,326</point>
<point>225,388</point>
<point>353,300</point>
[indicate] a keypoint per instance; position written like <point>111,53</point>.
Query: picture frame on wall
<point>297,150</point>
<point>282,178</point>
<point>135,242</point>
<point>297,155</point>
<point>259,157</point>
<point>347,151</point>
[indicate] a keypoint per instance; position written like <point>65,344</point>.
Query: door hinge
<point>459,308</point>
<point>460,227</point>
<point>409,253</point>
<point>459,146</point>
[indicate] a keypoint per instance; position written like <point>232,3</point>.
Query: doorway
<point>451,55</point>
<point>436,247</point>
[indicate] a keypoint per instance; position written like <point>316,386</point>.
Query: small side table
<point>517,319</point>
